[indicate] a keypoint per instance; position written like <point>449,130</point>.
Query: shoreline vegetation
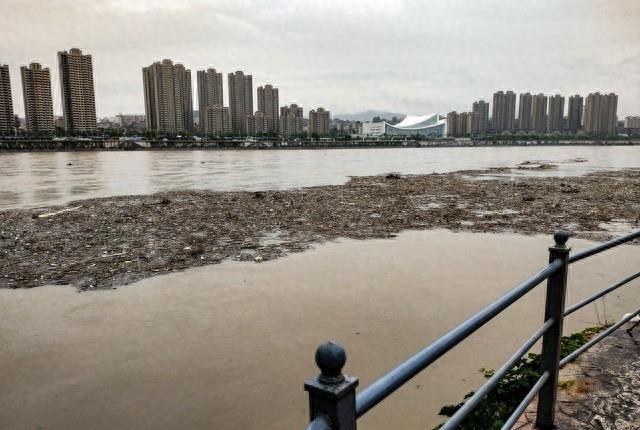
<point>494,410</point>
<point>106,144</point>
<point>114,241</point>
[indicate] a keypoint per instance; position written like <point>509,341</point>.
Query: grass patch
<point>496,408</point>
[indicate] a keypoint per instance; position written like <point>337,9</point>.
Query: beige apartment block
<point>38,103</point>
<point>539,113</point>
<point>168,100</point>
<point>210,92</point>
<point>555,118</point>
<point>216,121</point>
<point>576,108</point>
<point>77,90</point>
<point>269,106</point>
<point>319,122</point>
<point>7,120</point>
<point>257,124</point>
<point>504,111</point>
<point>291,123</point>
<point>632,122</point>
<point>462,123</point>
<point>480,109</point>
<point>240,100</point>
<point>600,114</point>
<point>452,124</point>
<point>524,112</point>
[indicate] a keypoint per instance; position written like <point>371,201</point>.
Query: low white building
<point>373,128</point>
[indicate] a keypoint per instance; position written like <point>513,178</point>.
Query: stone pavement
<point>601,389</point>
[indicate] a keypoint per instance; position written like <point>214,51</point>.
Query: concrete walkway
<point>601,389</point>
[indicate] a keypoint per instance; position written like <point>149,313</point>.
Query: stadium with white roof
<point>425,125</point>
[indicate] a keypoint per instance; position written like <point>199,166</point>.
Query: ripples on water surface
<point>42,179</point>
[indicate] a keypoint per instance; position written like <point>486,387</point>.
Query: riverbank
<point>601,389</point>
<point>185,144</point>
<point>102,243</point>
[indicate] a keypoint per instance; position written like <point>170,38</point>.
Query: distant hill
<point>367,115</point>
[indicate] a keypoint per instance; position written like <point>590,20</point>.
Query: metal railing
<point>334,403</point>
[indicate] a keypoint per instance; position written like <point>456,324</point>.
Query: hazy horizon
<point>403,56</point>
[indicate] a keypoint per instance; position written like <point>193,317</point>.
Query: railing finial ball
<point>561,237</point>
<point>330,358</point>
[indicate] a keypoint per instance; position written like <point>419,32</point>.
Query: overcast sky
<point>347,55</point>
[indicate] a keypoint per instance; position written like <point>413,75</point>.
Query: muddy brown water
<point>44,179</point>
<point>229,346</point>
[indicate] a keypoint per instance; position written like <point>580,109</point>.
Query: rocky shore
<point>601,389</point>
<point>103,243</point>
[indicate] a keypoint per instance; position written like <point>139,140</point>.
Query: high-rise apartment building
<point>452,124</point>
<point>524,112</point>
<point>576,105</point>
<point>168,101</point>
<point>209,92</point>
<point>480,109</point>
<point>291,121</point>
<point>240,100</point>
<point>269,106</point>
<point>38,103</point>
<point>7,120</point>
<point>472,123</point>
<point>319,122</point>
<point>462,123</point>
<point>600,114</point>
<point>539,113</point>
<point>555,119</point>
<point>504,111</point>
<point>217,121</point>
<point>77,91</point>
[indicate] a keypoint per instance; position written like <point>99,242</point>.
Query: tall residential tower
<point>480,121</point>
<point>539,113</point>
<point>168,102</point>
<point>600,114</point>
<point>38,103</point>
<point>575,113</point>
<point>269,105</point>
<point>76,89</point>
<point>555,119</point>
<point>504,111</point>
<point>290,121</point>
<point>240,100</point>
<point>319,122</point>
<point>7,120</point>
<point>210,93</point>
<point>524,112</point>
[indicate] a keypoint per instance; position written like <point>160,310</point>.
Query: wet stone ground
<point>601,390</point>
<point>102,243</point>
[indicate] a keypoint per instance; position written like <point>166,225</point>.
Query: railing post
<point>551,342</point>
<point>332,395</point>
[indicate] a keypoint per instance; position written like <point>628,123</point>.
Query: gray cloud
<point>406,56</point>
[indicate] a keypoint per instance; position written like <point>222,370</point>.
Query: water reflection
<point>42,179</point>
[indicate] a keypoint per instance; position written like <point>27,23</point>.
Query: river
<point>229,346</point>
<point>53,178</point>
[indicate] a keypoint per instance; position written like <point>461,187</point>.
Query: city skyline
<point>169,105</point>
<point>339,75</point>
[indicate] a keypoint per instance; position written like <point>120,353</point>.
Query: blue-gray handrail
<point>604,246</point>
<point>333,400</point>
<point>599,294</point>
<point>376,392</point>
